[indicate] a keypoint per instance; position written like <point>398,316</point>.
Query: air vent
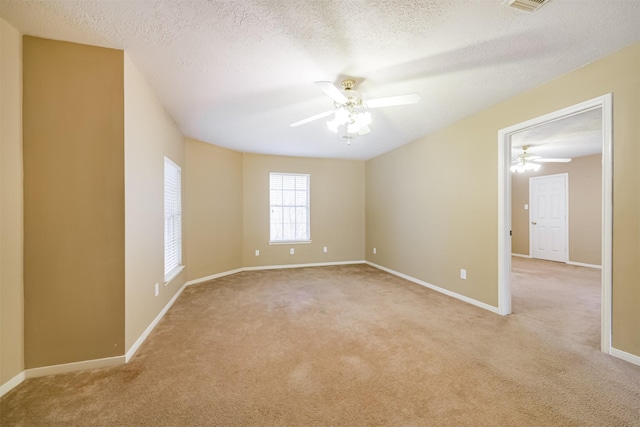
<point>528,5</point>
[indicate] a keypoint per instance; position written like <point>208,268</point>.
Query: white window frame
<point>295,205</point>
<point>172,220</point>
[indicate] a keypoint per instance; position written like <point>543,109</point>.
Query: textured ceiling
<point>574,136</point>
<point>236,73</point>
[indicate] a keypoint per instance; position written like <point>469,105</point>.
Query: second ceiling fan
<point>525,161</point>
<point>351,110</point>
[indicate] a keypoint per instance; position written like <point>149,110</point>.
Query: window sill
<point>173,274</point>
<point>290,242</point>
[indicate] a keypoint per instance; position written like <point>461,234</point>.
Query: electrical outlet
<point>463,274</point>
<point>257,252</point>
<point>292,251</point>
<point>374,251</point>
<point>157,289</point>
<point>324,249</point>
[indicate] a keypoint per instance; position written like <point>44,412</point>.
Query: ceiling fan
<point>351,110</point>
<point>525,161</point>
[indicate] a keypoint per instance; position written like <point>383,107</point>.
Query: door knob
<point>533,222</point>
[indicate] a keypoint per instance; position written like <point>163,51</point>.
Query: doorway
<point>604,103</point>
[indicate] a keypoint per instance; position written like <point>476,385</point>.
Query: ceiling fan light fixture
<point>350,110</point>
<point>342,116</point>
<point>364,119</point>
<point>333,125</point>
<point>554,160</point>
<point>357,122</point>
<point>523,166</point>
<point>353,128</point>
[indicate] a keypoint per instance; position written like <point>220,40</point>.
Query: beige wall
<point>150,134</point>
<point>432,204</point>
<point>337,210</point>
<point>431,211</point>
<point>585,208</point>
<point>11,229</point>
<point>73,202</point>
<point>213,209</point>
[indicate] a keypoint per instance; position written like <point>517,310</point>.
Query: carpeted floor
<point>354,346</point>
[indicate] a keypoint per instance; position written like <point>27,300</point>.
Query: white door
<point>548,216</point>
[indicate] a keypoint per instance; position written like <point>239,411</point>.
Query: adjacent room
<point>320,212</point>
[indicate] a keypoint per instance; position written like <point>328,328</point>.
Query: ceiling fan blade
<point>526,157</point>
<point>552,160</point>
<point>312,118</point>
<point>392,101</point>
<point>332,92</point>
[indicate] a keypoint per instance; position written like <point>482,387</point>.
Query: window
<point>289,206</point>
<point>172,220</point>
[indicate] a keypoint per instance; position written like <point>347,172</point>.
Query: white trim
<point>12,383</point>
<point>289,242</point>
<point>142,338</point>
<point>521,255</point>
<point>173,220</point>
<point>628,357</point>
<point>269,267</point>
<point>166,308</point>
<point>173,274</point>
<point>605,102</point>
<point>120,360</point>
<point>213,276</point>
<point>283,205</point>
<point>582,264</point>
<point>504,222</point>
<point>315,264</point>
<point>74,366</point>
<point>437,288</point>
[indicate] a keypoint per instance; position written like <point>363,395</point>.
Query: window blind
<point>289,207</point>
<point>172,218</point>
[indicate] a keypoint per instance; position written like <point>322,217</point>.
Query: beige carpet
<point>354,346</point>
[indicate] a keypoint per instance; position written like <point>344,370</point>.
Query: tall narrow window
<point>289,206</point>
<point>172,220</point>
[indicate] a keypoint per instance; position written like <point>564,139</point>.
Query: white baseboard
<point>60,369</point>
<point>136,345</point>
<point>213,276</point>
<point>631,358</point>
<point>582,264</point>
<point>119,360</point>
<point>12,383</point>
<point>166,308</point>
<point>315,264</point>
<point>142,338</point>
<point>74,366</point>
<point>438,289</point>
<point>579,264</point>
<point>267,267</point>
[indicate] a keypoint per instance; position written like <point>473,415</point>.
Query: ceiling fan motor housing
<point>354,99</point>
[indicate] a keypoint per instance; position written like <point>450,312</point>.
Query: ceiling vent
<point>528,5</point>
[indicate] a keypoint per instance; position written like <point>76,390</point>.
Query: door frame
<point>605,102</point>
<point>566,214</point>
